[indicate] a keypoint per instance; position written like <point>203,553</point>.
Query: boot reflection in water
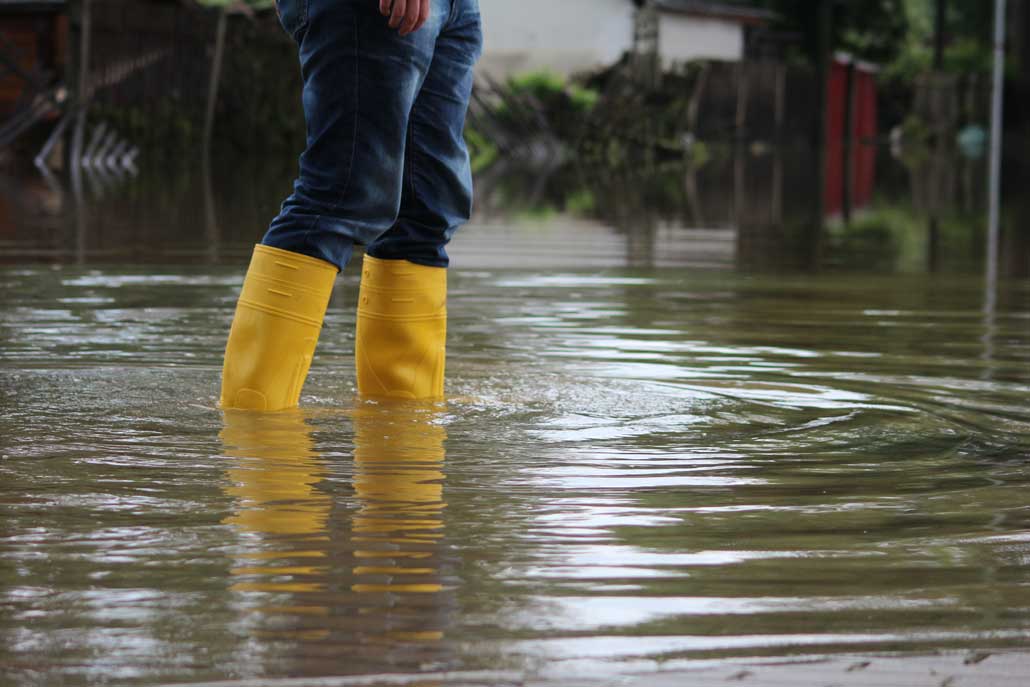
<point>399,460</point>
<point>274,477</point>
<point>395,532</point>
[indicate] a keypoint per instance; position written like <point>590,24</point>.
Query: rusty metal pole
<point>824,58</point>
<point>82,95</point>
<point>215,81</point>
<point>933,240</point>
<point>994,195</point>
<point>78,138</point>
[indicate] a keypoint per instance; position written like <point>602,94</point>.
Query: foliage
<point>259,105</point>
<point>164,127</point>
<point>553,92</point>
<point>872,30</point>
<point>891,235</point>
<point>897,34</point>
<point>543,102</point>
<point>967,39</point>
<point>482,151</point>
<point>546,85</point>
<point>871,241</point>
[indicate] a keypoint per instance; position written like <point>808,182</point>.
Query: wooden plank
<point>22,44</point>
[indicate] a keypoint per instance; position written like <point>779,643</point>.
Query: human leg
<point>436,194</point>
<point>402,313</point>
<point>360,81</point>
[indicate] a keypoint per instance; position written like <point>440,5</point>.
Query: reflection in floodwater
<point>751,208</point>
<point>647,464</point>
<point>372,590</point>
<point>274,478</point>
<point>644,469</point>
<point>397,530</point>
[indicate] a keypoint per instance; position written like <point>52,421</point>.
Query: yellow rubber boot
<point>402,330</point>
<point>275,330</point>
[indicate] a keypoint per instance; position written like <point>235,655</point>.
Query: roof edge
<point>717,10</point>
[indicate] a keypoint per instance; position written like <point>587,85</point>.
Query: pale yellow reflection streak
<point>399,459</point>
<point>274,478</point>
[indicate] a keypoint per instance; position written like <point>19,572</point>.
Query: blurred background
<point>737,366</point>
<point>765,135</point>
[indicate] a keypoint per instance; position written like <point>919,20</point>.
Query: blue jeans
<point>386,164</point>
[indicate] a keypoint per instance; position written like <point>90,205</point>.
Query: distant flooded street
<point>753,209</point>
<point>687,421</point>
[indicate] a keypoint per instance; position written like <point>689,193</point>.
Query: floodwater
<point>650,457</point>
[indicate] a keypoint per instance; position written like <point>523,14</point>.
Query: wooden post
<point>694,108</point>
<point>215,80</point>
<point>742,99</point>
<point>78,137</point>
<point>939,27</point>
<point>739,181</point>
<point>780,104</point>
<point>849,143</point>
<point>82,84</point>
<point>813,248</point>
<point>212,231</point>
<point>994,195</point>
<point>933,229</point>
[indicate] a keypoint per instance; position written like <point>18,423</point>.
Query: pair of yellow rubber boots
<point>401,329</point>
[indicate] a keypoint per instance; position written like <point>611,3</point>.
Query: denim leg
<point>437,189</point>
<point>361,79</point>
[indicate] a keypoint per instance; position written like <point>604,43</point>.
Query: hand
<point>407,16</point>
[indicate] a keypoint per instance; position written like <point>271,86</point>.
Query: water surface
<point>635,469</point>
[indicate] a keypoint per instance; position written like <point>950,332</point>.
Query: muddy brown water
<point>637,467</point>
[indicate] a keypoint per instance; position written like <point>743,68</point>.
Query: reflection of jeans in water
<point>386,164</point>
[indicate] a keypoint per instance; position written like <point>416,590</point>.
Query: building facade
<point>581,35</point>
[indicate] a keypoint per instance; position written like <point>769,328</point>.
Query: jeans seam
<point>412,150</point>
<point>353,143</point>
<point>297,29</point>
<point>302,21</point>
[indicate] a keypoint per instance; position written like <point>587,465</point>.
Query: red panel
<point>21,35</point>
<point>836,102</point>
<point>863,132</point>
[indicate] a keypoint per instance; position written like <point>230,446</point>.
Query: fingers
<point>407,16</point>
<point>399,12</point>
<point>411,15</point>
<point>423,14</point>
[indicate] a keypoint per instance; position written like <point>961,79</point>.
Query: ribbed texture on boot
<point>402,329</point>
<point>275,329</point>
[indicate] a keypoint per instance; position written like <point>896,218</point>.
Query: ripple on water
<point>632,469</point>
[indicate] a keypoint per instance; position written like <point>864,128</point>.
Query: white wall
<point>565,36</point>
<point>682,37</point>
